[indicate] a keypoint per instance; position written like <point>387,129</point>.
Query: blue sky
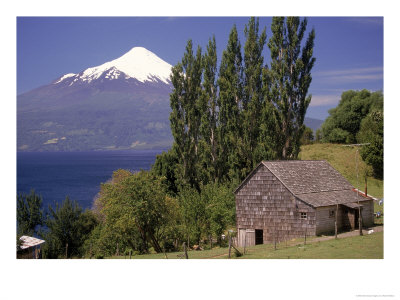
<point>349,50</point>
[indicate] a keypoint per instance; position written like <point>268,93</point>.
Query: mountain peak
<point>138,63</point>
<point>139,51</point>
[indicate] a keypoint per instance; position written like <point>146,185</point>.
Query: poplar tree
<point>186,115</point>
<point>229,102</point>
<point>290,78</point>
<point>209,115</point>
<point>252,92</point>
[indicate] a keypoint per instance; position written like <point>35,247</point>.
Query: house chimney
<point>366,186</point>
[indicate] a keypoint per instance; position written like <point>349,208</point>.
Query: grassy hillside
<point>366,246</point>
<point>343,159</point>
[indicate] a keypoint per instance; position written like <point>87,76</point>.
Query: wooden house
<point>282,200</point>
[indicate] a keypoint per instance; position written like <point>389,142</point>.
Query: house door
<point>242,237</point>
<point>259,237</point>
<point>356,215</point>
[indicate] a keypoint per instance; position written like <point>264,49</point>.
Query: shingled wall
<point>263,202</point>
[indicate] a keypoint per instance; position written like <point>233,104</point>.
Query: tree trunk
<point>155,243</point>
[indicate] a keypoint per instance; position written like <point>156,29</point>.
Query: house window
<point>332,213</point>
<point>303,215</point>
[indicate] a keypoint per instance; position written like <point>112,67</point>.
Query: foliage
<point>345,120</point>
<point>193,213</point>
<point>209,212</point>
<point>371,132</point>
<point>230,83</point>
<point>136,212</point>
<point>186,116</point>
<point>318,135</point>
<point>307,137</point>
<point>358,118</point>
<point>224,124</point>
<point>68,227</point>
<point>29,213</point>
<point>165,168</point>
<point>253,97</point>
<point>220,208</point>
<point>289,79</point>
<point>208,144</point>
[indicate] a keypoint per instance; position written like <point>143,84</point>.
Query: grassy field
<point>357,247</point>
<point>366,246</point>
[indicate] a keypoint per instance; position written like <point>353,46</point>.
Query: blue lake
<point>78,175</point>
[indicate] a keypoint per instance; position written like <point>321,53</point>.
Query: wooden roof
<point>314,182</point>
<point>344,197</point>
<point>28,241</point>
<point>308,176</point>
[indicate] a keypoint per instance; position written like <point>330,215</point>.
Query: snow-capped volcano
<point>121,104</point>
<point>139,63</point>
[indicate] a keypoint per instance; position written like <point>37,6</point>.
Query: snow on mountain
<point>65,77</point>
<point>139,63</point>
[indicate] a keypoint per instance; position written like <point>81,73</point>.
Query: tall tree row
<point>209,115</point>
<point>289,78</point>
<point>225,122</point>
<point>230,100</point>
<point>185,117</point>
<point>252,93</point>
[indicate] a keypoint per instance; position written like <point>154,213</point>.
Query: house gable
<point>263,202</point>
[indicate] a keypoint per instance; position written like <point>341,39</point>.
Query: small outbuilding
<point>282,200</point>
<point>30,247</point>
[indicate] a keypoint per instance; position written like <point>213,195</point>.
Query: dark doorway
<point>356,218</point>
<point>259,237</point>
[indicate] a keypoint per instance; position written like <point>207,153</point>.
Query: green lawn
<point>366,246</point>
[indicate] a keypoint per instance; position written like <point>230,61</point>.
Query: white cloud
<point>350,75</point>
<point>322,100</point>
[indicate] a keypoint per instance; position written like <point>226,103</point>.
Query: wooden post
<point>185,250</point>
<point>336,219</point>
<point>245,238</point>
<point>90,252</point>
<point>66,250</point>
<point>210,237</point>
<point>130,254</point>
<point>117,253</point>
<point>230,245</point>
<point>305,234</point>
<point>274,236</point>
<point>358,198</point>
